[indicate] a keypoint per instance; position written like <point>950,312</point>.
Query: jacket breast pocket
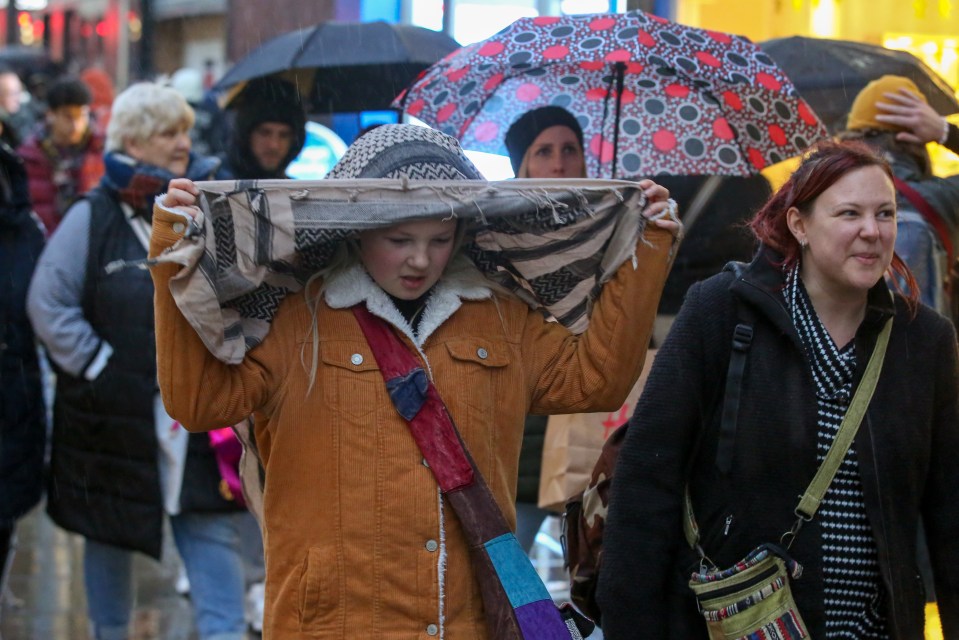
<point>317,590</point>
<point>351,377</point>
<point>477,366</point>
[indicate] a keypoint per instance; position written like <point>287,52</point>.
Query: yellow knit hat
<point>862,114</point>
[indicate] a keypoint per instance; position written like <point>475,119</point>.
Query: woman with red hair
<point>814,300</point>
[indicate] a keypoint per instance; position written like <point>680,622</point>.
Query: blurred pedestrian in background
<point>542,143</point>
<point>22,412</point>
<point>892,116</point>
<point>814,300</point>
<point>64,156</point>
<point>118,461</point>
<point>19,120</point>
<point>269,130</point>
<point>546,143</point>
<point>101,93</point>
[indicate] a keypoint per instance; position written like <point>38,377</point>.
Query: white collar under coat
<point>462,281</point>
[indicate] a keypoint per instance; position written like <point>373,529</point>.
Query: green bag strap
<point>812,497</point>
<point>810,500</point>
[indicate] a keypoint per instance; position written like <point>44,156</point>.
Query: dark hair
<point>824,165</point>
<point>68,92</point>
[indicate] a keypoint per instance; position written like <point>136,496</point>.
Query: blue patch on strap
<point>520,581</point>
<point>408,392</point>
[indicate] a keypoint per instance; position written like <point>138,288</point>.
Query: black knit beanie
<point>523,132</point>
<point>265,100</point>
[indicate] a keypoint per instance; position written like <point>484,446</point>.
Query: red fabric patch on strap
<point>432,427</point>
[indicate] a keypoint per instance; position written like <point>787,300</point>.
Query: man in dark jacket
<point>64,159</point>
<point>22,415</point>
<point>269,130</point>
<point>268,133</point>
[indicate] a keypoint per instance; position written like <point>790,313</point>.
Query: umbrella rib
<point>303,47</point>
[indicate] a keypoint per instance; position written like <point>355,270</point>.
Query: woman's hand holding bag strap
<point>754,595</point>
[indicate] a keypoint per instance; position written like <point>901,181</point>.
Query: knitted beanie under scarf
<point>405,151</point>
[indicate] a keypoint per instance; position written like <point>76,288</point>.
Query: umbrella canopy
<point>345,66</point>
<point>829,74</point>
<point>27,61</point>
<point>652,96</point>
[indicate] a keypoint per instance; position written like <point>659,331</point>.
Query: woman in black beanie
<point>546,143</point>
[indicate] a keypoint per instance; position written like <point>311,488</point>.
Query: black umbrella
<point>714,210</point>
<point>345,66</point>
<point>829,74</point>
<point>28,61</point>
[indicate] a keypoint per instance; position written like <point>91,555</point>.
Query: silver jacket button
<point>432,630</point>
<point>431,545</point>
<point>482,353</point>
<point>356,359</point>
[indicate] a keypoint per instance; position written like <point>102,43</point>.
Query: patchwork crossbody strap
<point>812,497</point>
<point>516,602</point>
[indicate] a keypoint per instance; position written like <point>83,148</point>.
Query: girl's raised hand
<point>181,196</point>
<point>660,210</point>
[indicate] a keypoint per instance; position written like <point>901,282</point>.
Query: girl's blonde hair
<point>143,110</point>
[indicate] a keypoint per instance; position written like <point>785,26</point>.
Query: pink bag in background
<point>227,449</point>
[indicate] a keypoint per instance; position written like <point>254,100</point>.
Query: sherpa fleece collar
<point>462,281</point>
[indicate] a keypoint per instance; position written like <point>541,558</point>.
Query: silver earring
<point>803,243</point>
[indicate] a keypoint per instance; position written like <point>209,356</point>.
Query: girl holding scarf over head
<point>360,541</point>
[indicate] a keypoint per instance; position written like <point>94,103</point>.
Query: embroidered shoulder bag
<point>753,599</point>
<point>516,602</point>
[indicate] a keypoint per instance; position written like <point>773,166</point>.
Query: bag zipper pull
<point>729,522</point>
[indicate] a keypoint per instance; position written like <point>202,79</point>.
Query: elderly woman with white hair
<point>119,462</point>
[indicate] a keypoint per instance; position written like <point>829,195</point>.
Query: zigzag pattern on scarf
<point>552,246</point>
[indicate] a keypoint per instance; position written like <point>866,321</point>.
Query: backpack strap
<point>928,213</point>
<point>742,340</point>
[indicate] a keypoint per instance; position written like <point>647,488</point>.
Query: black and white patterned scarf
<point>854,599</point>
<point>552,242</point>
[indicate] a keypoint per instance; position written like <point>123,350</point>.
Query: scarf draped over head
<point>553,243</point>
<point>138,184</point>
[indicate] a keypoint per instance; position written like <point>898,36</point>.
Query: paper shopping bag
<point>573,443</point>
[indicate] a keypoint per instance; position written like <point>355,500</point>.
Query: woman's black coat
<point>22,413</point>
<point>906,447</point>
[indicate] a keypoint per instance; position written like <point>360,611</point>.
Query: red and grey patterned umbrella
<point>652,96</point>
